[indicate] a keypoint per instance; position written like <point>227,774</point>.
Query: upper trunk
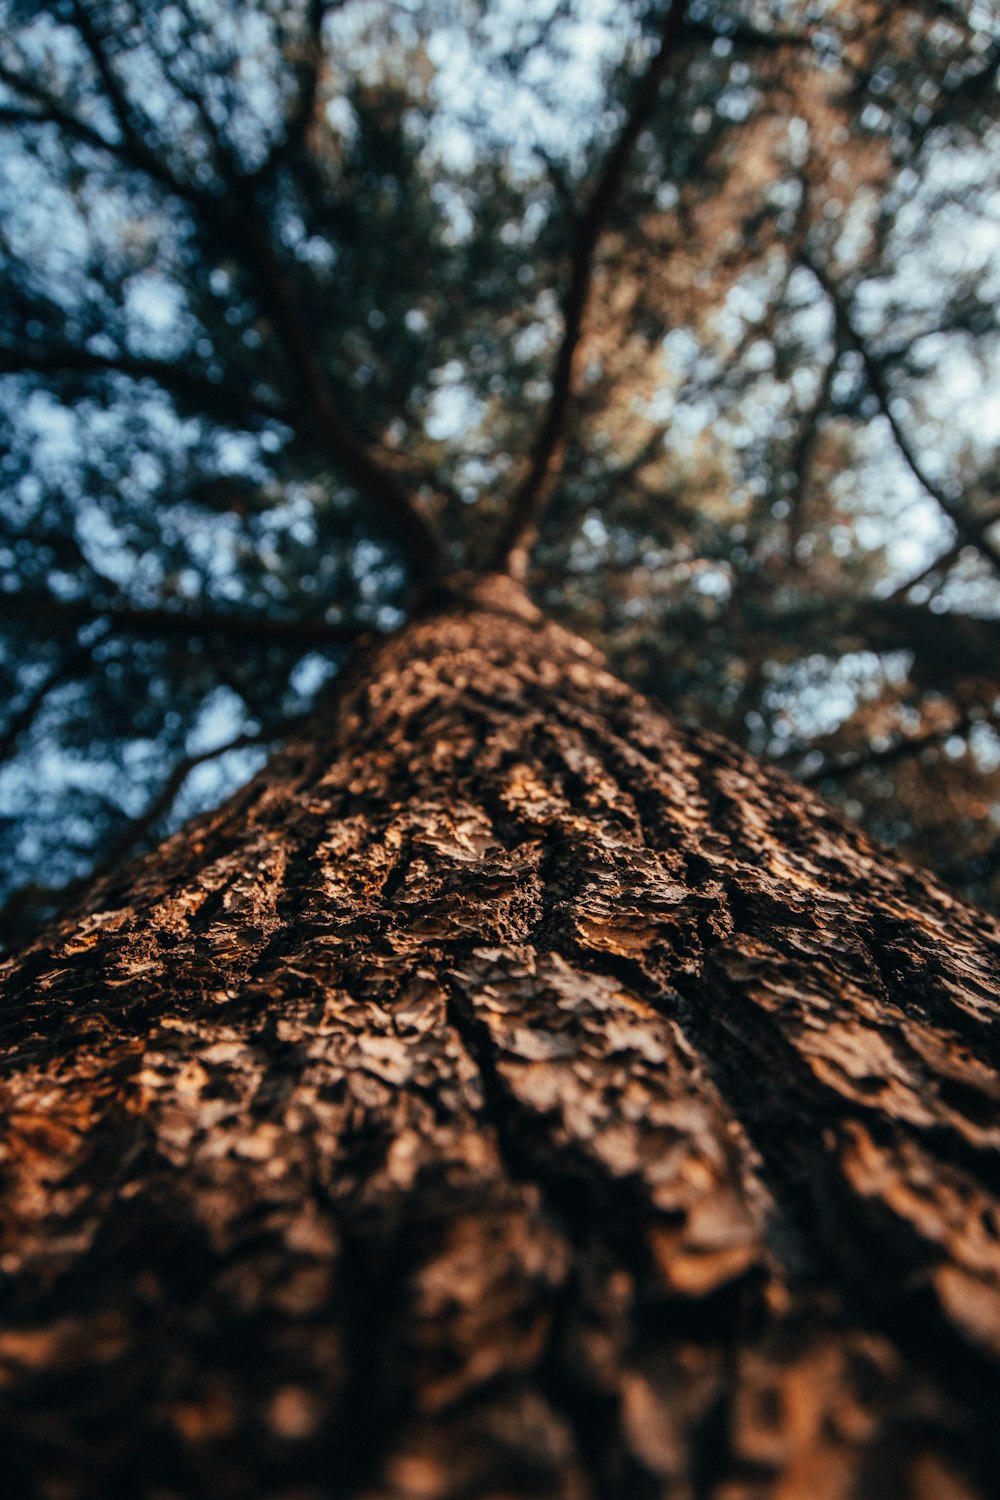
<point>509,1093</point>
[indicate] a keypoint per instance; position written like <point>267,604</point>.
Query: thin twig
<point>137,828</point>
<point>132,124</point>
<point>23,718</point>
<point>49,112</point>
<point>879,387</point>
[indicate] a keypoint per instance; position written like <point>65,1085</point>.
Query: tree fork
<point>507,1093</point>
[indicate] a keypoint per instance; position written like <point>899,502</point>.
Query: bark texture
<point>508,1094</point>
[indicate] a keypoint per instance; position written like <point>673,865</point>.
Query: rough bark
<point>508,1094</point>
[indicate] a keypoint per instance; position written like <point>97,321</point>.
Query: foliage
<point>688,310</point>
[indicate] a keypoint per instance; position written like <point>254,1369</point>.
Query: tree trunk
<point>507,1094</point>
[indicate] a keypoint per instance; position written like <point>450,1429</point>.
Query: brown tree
<point>509,1093</point>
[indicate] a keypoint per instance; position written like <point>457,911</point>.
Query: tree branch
<point>50,615</point>
<point>23,718</point>
<point>975,535</point>
<point>137,828</point>
<point>963,645</point>
<point>50,112</point>
<point>237,223</point>
<point>549,449</point>
<point>132,153</point>
<point>901,749</point>
<point>308,68</point>
<point>806,443</point>
<point>749,36</point>
<point>359,463</point>
<point>939,565</point>
<point>200,390</point>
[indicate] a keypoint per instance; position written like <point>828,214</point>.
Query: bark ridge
<point>510,1093</point>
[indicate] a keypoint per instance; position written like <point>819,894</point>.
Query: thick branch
<point>948,649</point>
<point>965,645</point>
<point>945,647</point>
<point>807,441</point>
<point>307,70</point>
<point>549,450</point>
<point>133,126</point>
<point>216,396</point>
<point>354,458</point>
<point>50,615</point>
<point>749,37</point>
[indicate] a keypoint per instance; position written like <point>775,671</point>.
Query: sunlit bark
<point>508,1093</point>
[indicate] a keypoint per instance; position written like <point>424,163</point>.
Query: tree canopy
<point>686,312</point>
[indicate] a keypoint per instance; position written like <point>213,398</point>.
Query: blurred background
<point>780,509</point>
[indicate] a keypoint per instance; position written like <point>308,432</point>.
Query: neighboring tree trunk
<point>507,1094</point>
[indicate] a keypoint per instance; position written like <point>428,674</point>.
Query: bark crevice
<point>511,1092</point>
